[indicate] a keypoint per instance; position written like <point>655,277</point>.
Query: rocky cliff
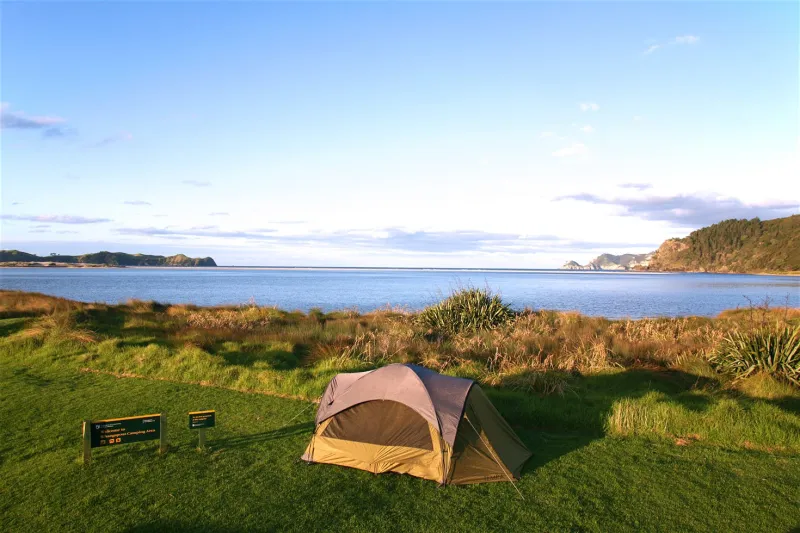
<point>613,262</point>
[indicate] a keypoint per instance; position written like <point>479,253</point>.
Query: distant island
<point>731,246</point>
<point>612,262</point>
<point>101,259</point>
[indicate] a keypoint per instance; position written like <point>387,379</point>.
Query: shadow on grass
<point>12,325</point>
<point>586,407</point>
<point>547,447</point>
<point>257,438</point>
<point>276,359</point>
<point>553,425</point>
<point>26,376</point>
<point>108,321</point>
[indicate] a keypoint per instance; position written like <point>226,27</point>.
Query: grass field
<point>627,446</point>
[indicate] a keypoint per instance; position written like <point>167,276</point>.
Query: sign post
<point>200,420</point>
<point>162,443</point>
<point>113,431</point>
<point>87,442</point>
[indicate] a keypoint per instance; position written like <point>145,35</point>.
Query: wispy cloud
<point>65,231</point>
<point>395,240</point>
<point>136,202</point>
<point>219,214</point>
<point>50,126</point>
<point>16,203</point>
<point>587,129</point>
<point>637,186</point>
<point>686,39</point>
<point>196,183</point>
<point>71,177</point>
<point>638,118</point>
<point>56,219</point>
<point>575,149</point>
<point>679,40</point>
<point>589,106</point>
<point>201,231</point>
<point>687,210</point>
<point>111,139</point>
<point>41,226</point>
<point>652,48</point>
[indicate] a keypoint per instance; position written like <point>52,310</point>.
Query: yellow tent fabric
<point>410,420</point>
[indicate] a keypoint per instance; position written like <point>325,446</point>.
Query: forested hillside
<point>108,258</point>
<point>735,246</point>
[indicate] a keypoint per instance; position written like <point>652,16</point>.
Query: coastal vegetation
<point>735,246</point>
<point>19,258</point>
<point>610,408</point>
<point>744,246</point>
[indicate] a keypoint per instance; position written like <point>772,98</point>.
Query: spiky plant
<point>466,311</point>
<point>773,351</point>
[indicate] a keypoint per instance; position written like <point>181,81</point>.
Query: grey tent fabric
<point>410,420</point>
<point>437,398</point>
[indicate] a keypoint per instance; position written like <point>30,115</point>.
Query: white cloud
<point>111,139</point>
<point>638,118</point>
<point>686,39</point>
<point>575,149</point>
<point>589,106</point>
<point>587,129</point>
<point>57,219</point>
<point>19,120</point>
<point>680,39</point>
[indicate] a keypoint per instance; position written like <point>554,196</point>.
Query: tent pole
<point>491,450</point>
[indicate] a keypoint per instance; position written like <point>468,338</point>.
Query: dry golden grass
<point>517,355</point>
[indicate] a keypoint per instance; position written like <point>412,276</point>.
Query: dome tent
<point>410,420</point>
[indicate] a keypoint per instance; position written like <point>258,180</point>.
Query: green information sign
<point>202,419</point>
<point>125,430</point>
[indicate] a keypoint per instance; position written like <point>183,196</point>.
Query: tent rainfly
<point>411,420</point>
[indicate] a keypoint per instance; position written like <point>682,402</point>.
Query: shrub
<point>466,310</point>
<point>773,351</point>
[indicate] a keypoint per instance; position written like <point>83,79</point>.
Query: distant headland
<point>732,246</point>
<point>16,258</point>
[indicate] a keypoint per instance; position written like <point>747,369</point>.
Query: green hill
<point>109,258</point>
<point>735,246</point>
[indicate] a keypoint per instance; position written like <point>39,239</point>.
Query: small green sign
<point>125,430</point>
<point>202,419</point>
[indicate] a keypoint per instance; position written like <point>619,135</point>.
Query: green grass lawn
<point>579,479</point>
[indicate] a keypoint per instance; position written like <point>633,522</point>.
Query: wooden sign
<point>114,431</point>
<point>201,420</point>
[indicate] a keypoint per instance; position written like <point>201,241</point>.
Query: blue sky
<point>393,134</point>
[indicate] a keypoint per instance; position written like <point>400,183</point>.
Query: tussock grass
<point>466,311</point>
<point>768,350</point>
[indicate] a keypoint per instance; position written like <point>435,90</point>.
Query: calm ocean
<point>608,294</point>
